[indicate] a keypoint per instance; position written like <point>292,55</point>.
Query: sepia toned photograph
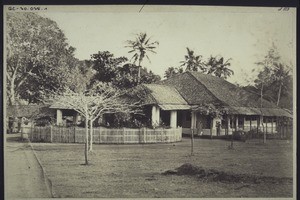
<point>149,101</point>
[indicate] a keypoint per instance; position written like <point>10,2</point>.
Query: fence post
<point>51,137</point>
<point>69,135</point>
<point>140,135</point>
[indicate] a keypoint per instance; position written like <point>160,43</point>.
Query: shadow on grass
<point>87,165</point>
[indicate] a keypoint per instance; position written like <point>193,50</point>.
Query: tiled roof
<point>163,94</point>
<point>198,89</point>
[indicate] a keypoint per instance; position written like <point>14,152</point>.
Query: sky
<point>242,33</point>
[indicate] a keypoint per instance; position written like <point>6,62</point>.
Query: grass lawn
<point>133,171</point>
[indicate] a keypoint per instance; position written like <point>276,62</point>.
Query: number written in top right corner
<point>283,9</point>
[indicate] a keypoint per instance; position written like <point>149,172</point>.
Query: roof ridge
<point>239,89</point>
<point>162,83</point>
<point>191,74</point>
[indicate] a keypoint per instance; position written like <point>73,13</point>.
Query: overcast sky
<point>243,34</point>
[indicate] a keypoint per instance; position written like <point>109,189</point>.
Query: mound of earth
<point>220,176</point>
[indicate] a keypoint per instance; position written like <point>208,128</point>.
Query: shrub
<point>239,135</point>
<point>254,133</point>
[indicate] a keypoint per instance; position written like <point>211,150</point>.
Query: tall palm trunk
<point>139,72</point>
<point>139,75</point>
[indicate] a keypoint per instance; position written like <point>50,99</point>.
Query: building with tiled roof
<point>184,96</point>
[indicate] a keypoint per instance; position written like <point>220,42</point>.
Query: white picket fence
<point>103,135</point>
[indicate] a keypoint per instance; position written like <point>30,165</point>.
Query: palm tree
<point>140,46</point>
<point>218,67</point>
<point>193,62</point>
<point>171,71</point>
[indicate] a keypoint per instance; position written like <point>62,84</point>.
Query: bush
<point>44,121</point>
<point>239,135</point>
<point>254,133</point>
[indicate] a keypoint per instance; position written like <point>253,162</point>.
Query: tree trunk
<point>86,140</point>
<point>265,133</point>
<point>91,136</point>
<point>262,117</point>
<point>192,142</point>
<point>11,95</point>
<point>211,127</point>
<point>279,94</point>
<point>139,75</point>
<point>231,142</point>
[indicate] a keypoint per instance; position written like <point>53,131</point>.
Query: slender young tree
<point>264,77</point>
<point>279,84</point>
<point>281,73</point>
<point>102,98</point>
<point>140,47</point>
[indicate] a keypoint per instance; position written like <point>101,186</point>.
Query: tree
<point>140,47</point>
<point>171,71</point>
<point>148,77</point>
<point>281,75</point>
<point>218,67</point>
<point>105,65</point>
<point>109,69</point>
<point>127,76</point>
<point>100,99</point>
<point>279,81</point>
<point>193,62</point>
<point>38,57</point>
<point>265,76</point>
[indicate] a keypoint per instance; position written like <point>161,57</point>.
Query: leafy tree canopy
<point>39,57</point>
<point>216,66</point>
<point>275,79</point>
<point>171,71</point>
<point>193,62</point>
<point>116,71</point>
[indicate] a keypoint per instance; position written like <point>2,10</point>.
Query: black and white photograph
<point>149,101</point>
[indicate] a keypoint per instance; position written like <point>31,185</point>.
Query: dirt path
<point>23,174</point>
